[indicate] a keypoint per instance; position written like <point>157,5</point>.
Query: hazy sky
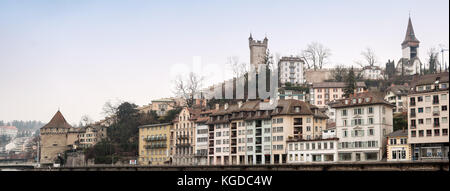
<point>76,55</point>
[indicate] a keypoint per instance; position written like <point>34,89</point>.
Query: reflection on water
<point>9,169</point>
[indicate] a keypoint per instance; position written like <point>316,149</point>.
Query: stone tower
<point>257,51</point>
<point>410,45</point>
<point>54,139</point>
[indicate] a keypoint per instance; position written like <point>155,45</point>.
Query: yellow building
<point>154,144</point>
<point>398,148</point>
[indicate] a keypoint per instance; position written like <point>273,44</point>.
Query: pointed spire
<point>58,121</point>
<point>410,36</point>
<point>250,36</point>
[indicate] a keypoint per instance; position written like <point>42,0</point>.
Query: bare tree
<point>86,120</point>
<point>433,61</point>
<point>315,55</point>
<point>339,73</point>
<point>238,68</point>
<point>188,87</point>
<point>110,109</point>
<point>370,59</point>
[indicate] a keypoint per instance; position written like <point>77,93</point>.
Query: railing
<point>183,137</point>
<point>412,103</point>
<point>154,146</point>
<point>183,144</point>
<point>412,114</point>
<point>436,125</point>
<point>149,139</point>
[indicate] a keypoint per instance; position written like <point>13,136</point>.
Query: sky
<point>77,55</point>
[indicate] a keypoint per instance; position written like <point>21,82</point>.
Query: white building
<point>323,149</point>
<point>201,146</point>
<point>362,123</point>
<point>372,73</point>
<point>397,95</point>
<point>291,70</point>
<point>9,131</point>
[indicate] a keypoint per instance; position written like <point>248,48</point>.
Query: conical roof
<point>410,36</point>
<point>58,121</point>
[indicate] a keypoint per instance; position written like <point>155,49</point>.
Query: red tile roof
<point>58,121</point>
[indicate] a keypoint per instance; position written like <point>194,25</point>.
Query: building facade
<point>398,148</point>
<point>154,144</point>
<point>185,136</point>
<point>362,122</point>
<point>397,95</point>
<point>9,131</point>
<point>291,70</point>
<point>323,93</point>
<point>90,135</point>
<point>56,139</point>
<point>428,117</point>
<point>323,149</point>
<point>202,137</point>
<point>372,73</point>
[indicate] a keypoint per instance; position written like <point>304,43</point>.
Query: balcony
<point>412,114</point>
<point>156,146</point>
<point>155,138</point>
<point>183,137</point>
<point>435,124</point>
<point>412,103</point>
<point>183,145</point>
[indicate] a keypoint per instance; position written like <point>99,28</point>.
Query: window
<point>444,108</point>
<point>370,120</point>
<point>419,99</point>
<point>371,132</point>
<point>413,133</point>
<point>436,132</point>
<point>420,110</point>
<point>344,112</point>
<point>370,110</point>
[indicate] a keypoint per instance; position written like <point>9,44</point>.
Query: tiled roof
<point>336,84</point>
<point>58,121</point>
<point>398,133</point>
<point>429,79</point>
<point>398,89</point>
<point>372,98</point>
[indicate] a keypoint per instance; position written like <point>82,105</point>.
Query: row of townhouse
<point>362,122</point>
<point>242,133</point>
<point>295,131</point>
<point>427,135</point>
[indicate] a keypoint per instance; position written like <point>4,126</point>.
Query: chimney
<point>405,84</point>
<point>226,106</point>
<point>217,106</point>
<point>392,85</point>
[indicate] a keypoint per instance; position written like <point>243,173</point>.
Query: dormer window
<point>346,101</point>
<point>359,100</point>
<point>354,101</point>
<point>297,109</point>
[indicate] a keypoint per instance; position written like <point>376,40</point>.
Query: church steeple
<point>410,37</point>
<point>410,44</point>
